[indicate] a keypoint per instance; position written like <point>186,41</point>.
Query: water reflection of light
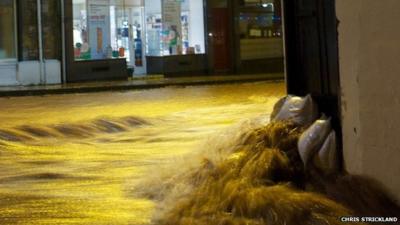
<point>67,179</point>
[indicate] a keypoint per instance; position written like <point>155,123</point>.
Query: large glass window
<point>51,22</point>
<point>174,27</point>
<point>260,30</point>
<point>7,29</point>
<point>28,33</point>
<point>96,29</point>
<point>154,27</point>
<point>193,26</point>
<point>121,28</point>
<point>80,30</point>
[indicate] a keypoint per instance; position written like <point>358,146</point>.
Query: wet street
<point>72,159</point>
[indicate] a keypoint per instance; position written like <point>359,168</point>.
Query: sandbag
<point>313,138</point>
<point>327,158</point>
<point>301,110</point>
<point>277,108</point>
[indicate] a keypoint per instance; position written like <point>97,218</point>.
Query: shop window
<point>192,22</point>
<point>110,29</point>
<point>97,26</point>
<point>28,30</point>
<point>260,30</point>
<point>154,27</point>
<point>51,29</point>
<point>174,27</point>
<point>259,25</point>
<point>7,29</point>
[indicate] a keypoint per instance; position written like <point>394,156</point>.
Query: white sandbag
<point>277,107</point>
<point>313,138</point>
<point>327,158</point>
<point>301,110</point>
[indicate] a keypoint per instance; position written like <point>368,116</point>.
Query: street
<point>72,159</point>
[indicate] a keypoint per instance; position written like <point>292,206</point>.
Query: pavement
<point>143,82</point>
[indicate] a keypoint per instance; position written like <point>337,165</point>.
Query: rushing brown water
<point>72,159</point>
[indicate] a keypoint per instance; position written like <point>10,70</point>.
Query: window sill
<point>7,62</point>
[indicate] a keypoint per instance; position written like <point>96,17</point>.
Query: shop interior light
<point>266,4</point>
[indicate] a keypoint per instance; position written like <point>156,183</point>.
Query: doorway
<point>221,40</point>
<point>312,52</point>
<point>39,42</point>
<point>312,64</point>
<point>136,39</point>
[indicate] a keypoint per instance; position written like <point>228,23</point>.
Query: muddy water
<point>71,159</point>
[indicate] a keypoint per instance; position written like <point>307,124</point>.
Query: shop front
<point>175,43</point>
<point>8,44</point>
<point>260,36</point>
<point>246,36</point>
<point>114,39</point>
<point>30,42</point>
<point>53,42</point>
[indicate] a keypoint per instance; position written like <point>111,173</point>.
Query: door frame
<point>143,69</point>
<point>324,83</point>
<point>228,38</point>
<point>39,69</point>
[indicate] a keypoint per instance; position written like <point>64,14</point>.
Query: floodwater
<point>72,159</point>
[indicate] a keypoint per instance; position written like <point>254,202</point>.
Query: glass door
<point>39,42</point>
<point>28,31</point>
<point>51,31</point>
<point>51,40</point>
<point>136,40</point>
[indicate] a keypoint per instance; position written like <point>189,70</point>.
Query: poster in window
<point>99,28</point>
<point>172,27</point>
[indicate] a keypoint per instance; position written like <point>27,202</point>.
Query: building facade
<point>25,60</point>
<point>53,42</point>
<point>245,36</point>
<point>150,36</point>
<point>50,42</point>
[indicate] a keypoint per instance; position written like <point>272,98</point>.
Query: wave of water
<point>75,130</point>
<point>252,174</point>
<point>73,159</point>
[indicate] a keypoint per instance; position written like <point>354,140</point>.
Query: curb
<point>131,86</point>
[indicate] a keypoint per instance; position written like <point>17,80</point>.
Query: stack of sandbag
<point>317,144</point>
<point>301,110</point>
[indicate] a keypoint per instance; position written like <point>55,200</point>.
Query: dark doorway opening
<point>312,54</point>
<point>221,43</point>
